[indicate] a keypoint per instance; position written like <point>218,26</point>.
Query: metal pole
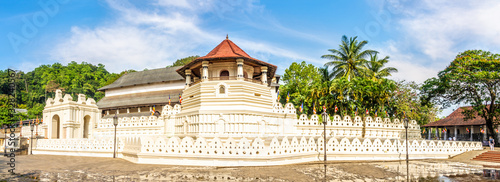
<point>114,147</point>
<point>325,120</point>
<point>31,143</point>
<point>324,146</point>
<point>407,165</point>
<point>5,140</point>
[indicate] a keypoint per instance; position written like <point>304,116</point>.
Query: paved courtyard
<point>69,168</point>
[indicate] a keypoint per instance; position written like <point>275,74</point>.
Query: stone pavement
<point>69,168</point>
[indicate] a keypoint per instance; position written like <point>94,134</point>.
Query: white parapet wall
<point>78,147</point>
<point>202,151</point>
<point>130,126</point>
<point>282,150</point>
<point>251,139</point>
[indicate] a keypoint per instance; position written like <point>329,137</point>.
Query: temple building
<point>138,93</point>
<point>220,110</point>
<point>454,126</point>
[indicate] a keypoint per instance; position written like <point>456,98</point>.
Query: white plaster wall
<point>177,85</point>
<point>201,151</point>
<point>71,115</point>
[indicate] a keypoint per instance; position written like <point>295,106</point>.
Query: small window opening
<point>222,89</point>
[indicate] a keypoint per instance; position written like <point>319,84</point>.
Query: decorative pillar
<point>485,134</point>
<point>445,133</point>
<point>195,79</point>
<point>437,133</point>
<point>239,62</point>
<point>118,111</point>
<point>71,132</point>
<point>455,131</point>
<point>430,130</point>
<point>204,75</point>
<point>138,109</point>
<point>128,110</point>
<point>188,77</point>
<point>107,112</point>
<point>263,77</point>
<point>471,131</point>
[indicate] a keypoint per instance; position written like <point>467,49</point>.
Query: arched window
<point>222,89</point>
<point>86,126</point>
<point>224,75</point>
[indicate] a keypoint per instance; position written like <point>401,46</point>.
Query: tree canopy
<point>354,86</point>
<point>184,61</point>
<point>34,87</point>
<point>349,58</point>
<point>375,68</point>
<point>473,77</point>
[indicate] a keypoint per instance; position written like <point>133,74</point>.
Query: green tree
<point>7,114</point>
<point>473,77</point>
<point>364,94</point>
<point>348,60</point>
<point>375,68</point>
<point>34,87</point>
<point>302,83</point>
<point>407,101</point>
<point>183,61</point>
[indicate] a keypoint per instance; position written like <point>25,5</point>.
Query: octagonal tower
<point>226,84</point>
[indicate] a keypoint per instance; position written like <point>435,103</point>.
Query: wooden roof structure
<point>456,118</point>
<point>227,50</point>
<point>139,99</point>
<point>145,77</point>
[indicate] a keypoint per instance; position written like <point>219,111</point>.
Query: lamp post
<point>115,122</point>
<point>36,129</point>
<point>407,165</point>
<point>325,119</point>
<point>5,139</point>
<point>32,127</point>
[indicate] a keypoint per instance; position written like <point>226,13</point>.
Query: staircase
<point>490,156</point>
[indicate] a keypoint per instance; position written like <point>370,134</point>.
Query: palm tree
<point>375,68</point>
<point>349,59</point>
<point>325,74</point>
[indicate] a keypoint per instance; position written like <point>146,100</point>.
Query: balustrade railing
<point>227,78</point>
<point>222,78</point>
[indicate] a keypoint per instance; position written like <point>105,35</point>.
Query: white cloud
<point>154,36</point>
<point>409,66</point>
<point>431,33</point>
<point>136,40</point>
<point>441,29</point>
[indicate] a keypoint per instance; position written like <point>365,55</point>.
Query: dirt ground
<point>70,168</point>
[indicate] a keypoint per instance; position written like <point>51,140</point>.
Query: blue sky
<point>421,37</point>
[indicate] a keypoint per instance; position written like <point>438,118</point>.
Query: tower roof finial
<point>227,36</point>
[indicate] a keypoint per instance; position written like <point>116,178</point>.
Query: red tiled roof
<point>456,118</point>
<point>228,50</point>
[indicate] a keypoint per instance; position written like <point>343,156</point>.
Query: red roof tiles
<point>226,49</point>
<point>456,118</point>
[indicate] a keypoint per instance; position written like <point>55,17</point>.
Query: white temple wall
<point>131,126</point>
<point>202,151</point>
<point>240,97</point>
<point>216,138</point>
<point>172,85</point>
<point>65,118</point>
